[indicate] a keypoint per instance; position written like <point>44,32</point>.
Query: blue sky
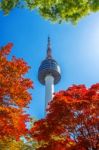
<point>76,48</point>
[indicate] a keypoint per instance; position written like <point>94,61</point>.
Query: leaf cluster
<point>14,95</point>
<point>12,144</point>
<point>55,10</point>
<point>72,121</point>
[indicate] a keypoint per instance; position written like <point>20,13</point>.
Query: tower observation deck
<point>49,74</point>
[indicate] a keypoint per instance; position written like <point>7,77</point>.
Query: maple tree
<point>72,122</point>
<point>14,95</point>
<point>55,10</point>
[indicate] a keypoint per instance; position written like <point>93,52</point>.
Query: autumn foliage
<point>72,122</point>
<point>14,95</point>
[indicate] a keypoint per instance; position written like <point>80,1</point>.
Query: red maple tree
<point>72,122</point>
<point>14,95</point>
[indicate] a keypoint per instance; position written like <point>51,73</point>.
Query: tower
<point>49,74</point>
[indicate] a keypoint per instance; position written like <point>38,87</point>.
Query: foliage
<point>10,144</point>
<point>14,95</point>
<point>55,10</point>
<point>72,122</point>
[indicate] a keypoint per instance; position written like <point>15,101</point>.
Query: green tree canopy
<point>55,10</point>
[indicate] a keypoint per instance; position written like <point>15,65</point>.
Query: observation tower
<point>49,74</point>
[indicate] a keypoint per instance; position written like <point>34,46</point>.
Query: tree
<point>14,95</point>
<point>55,10</point>
<point>72,122</point>
<point>10,144</point>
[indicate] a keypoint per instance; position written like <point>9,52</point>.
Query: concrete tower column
<point>49,74</point>
<point>49,89</point>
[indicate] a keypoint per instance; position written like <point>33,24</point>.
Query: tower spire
<point>49,51</point>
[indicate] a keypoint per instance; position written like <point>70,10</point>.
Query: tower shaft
<point>49,89</point>
<point>49,74</point>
